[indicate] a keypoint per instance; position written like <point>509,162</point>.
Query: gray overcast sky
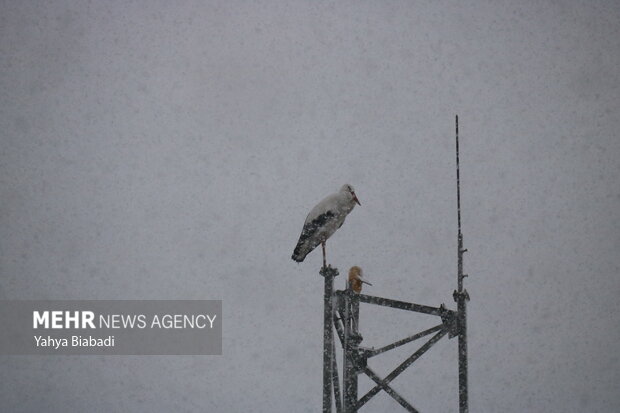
<point>171,150</point>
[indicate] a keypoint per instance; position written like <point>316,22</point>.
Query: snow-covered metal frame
<point>344,314</point>
<point>341,312</point>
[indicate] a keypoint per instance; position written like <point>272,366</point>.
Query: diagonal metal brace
<point>374,352</point>
<point>339,328</point>
<point>389,390</point>
<point>402,366</point>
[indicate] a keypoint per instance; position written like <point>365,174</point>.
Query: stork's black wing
<point>309,229</point>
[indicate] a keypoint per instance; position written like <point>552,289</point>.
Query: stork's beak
<point>355,199</point>
<point>359,277</point>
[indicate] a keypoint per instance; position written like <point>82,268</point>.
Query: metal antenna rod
<point>461,296</point>
<point>458,176</point>
<point>458,209</point>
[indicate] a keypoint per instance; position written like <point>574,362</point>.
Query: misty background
<point>171,150</point>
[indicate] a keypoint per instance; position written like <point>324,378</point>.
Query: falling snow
<point>165,150</point>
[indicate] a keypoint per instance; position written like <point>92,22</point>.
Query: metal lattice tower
<point>341,312</point>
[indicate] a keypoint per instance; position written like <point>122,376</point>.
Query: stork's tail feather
<point>297,254</point>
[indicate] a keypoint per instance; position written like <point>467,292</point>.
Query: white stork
<point>323,220</point>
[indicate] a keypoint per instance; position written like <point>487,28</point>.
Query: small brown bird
<point>356,278</point>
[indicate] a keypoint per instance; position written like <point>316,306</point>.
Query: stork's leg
<point>324,260</point>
